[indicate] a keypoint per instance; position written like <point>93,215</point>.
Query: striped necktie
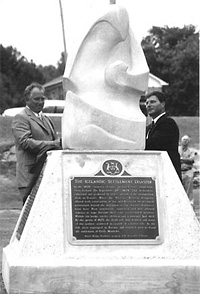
<point>44,121</point>
<point>40,116</point>
<point>48,125</point>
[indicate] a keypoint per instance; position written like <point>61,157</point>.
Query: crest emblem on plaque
<point>112,167</point>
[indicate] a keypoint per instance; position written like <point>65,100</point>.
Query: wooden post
<point>63,31</point>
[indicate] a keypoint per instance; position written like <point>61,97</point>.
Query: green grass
<point>189,125</point>
<point>6,137</point>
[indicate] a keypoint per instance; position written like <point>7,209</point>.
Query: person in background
<point>187,160</point>
<point>163,133</point>
<point>34,135</point>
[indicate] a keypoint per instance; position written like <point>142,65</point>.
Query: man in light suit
<point>34,135</point>
<point>163,133</point>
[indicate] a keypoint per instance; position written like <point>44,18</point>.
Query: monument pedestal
<point>56,249</point>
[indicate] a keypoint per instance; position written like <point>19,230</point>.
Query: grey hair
<point>185,137</point>
<point>30,87</point>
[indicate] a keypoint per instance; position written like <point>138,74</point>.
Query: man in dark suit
<point>163,133</point>
<point>34,135</point>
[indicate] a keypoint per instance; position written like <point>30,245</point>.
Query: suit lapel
<point>163,117</point>
<point>33,117</point>
<point>48,125</point>
<point>43,124</point>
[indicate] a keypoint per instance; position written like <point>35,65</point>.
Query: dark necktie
<point>150,128</point>
<point>152,124</point>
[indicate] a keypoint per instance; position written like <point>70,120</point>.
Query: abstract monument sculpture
<point>105,221</point>
<point>104,86</point>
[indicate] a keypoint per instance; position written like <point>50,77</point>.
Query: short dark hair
<point>160,95</point>
<point>30,87</point>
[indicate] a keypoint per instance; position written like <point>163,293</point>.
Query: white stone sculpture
<point>103,87</point>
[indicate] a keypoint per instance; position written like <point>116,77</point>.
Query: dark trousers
<point>36,170</point>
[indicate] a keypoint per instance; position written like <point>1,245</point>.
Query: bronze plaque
<point>114,209</point>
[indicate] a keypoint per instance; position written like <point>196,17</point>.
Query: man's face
<point>185,141</point>
<point>154,106</point>
<point>36,100</point>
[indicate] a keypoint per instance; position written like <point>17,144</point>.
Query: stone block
<point>43,260</point>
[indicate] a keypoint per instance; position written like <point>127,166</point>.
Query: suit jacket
<point>33,138</point>
<point>164,136</point>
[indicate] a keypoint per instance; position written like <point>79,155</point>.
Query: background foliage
<point>16,73</point>
<point>171,53</point>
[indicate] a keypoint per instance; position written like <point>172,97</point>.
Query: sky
<point>34,27</point>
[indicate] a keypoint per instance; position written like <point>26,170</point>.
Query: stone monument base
<point>46,254</point>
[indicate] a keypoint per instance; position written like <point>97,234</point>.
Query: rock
<point>9,155</point>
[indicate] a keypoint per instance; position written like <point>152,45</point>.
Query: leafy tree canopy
<point>172,55</point>
<point>16,73</point>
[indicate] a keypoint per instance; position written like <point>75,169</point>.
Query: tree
<point>49,72</point>
<point>61,65</point>
<point>172,55</point>
<point>15,74</point>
